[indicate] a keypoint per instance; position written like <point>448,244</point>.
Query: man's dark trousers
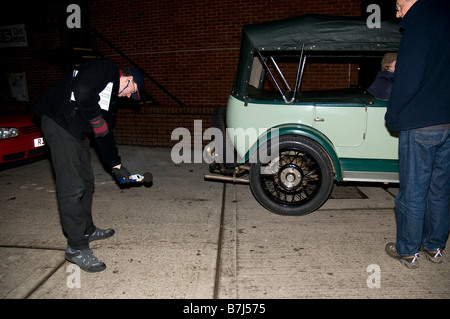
<point>74,182</point>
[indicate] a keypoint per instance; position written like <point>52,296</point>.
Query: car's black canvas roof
<point>322,33</point>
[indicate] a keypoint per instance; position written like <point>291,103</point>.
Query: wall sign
<point>13,36</point>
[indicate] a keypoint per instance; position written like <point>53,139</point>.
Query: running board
<point>378,177</point>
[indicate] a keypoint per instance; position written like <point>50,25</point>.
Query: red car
<point>21,139</point>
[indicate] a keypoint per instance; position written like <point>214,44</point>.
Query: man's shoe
<point>100,234</point>
<point>410,262</point>
<point>435,256</point>
<point>84,259</point>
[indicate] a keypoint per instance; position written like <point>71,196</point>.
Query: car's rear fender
<point>299,130</point>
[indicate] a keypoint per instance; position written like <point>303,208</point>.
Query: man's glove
<point>121,174</point>
<point>99,126</point>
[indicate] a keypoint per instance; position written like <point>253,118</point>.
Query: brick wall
<point>191,47</point>
<point>153,125</point>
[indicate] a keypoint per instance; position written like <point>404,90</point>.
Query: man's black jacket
<point>81,97</point>
<point>421,92</point>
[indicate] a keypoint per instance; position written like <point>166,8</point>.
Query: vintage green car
<point>310,139</point>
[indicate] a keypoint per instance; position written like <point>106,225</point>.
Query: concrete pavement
<point>188,238</point>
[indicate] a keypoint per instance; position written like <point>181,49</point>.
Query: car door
<point>344,124</point>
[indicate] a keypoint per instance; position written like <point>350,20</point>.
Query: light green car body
<point>353,134</point>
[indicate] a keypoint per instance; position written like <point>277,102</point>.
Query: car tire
<point>297,181</point>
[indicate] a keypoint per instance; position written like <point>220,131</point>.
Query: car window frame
<point>265,66</point>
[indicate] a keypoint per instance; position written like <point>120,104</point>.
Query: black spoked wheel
<point>297,182</point>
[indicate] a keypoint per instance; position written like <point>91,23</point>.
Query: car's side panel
<point>344,125</point>
<point>260,117</point>
<point>355,137</point>
<point>357,131</point>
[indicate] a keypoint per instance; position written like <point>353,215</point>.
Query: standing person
<point>419,107</point>
<point>80,106</point>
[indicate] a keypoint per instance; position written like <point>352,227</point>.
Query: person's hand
<point>121,174</point>
<point>99,126</point>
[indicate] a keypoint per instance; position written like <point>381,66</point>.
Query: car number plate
<point>38,142</point>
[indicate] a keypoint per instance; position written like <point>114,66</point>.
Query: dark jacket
<point>421,92</point>
<point>382,86</point>
<point>75,100</point>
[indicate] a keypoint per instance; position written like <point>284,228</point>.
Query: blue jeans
<point>422,205</point>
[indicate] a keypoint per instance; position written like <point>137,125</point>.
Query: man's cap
<point>139,80</point>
